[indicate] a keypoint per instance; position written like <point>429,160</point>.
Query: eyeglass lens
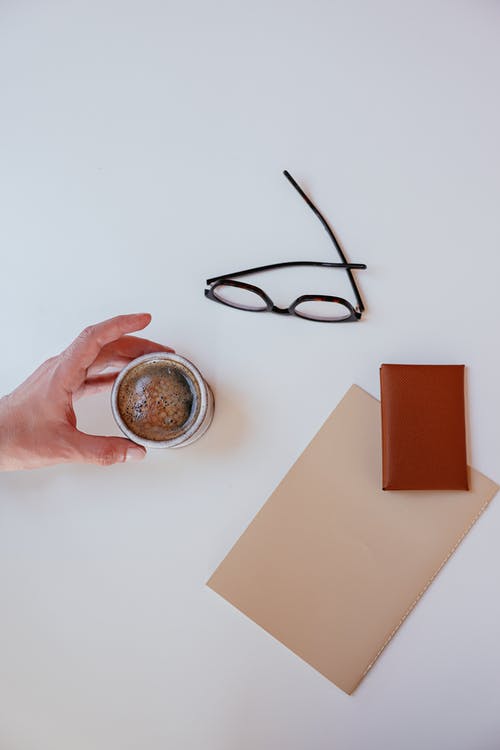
<point>238,297</point>
<point>322,310</point>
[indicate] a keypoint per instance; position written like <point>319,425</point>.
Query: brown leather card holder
<point>423,427</point>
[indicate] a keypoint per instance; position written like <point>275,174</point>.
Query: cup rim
<point>172,442</point>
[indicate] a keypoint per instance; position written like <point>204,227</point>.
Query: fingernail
<point>135,453</point>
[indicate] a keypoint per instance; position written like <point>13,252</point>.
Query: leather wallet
<point>423,427</point>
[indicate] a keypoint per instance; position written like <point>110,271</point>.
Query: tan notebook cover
<point>332,565</point>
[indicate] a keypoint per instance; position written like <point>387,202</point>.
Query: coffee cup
<point>161,400</point>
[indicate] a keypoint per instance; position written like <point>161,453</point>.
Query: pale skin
<point>37,420</point>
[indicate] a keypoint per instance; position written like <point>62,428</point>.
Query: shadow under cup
<point>161,400</point>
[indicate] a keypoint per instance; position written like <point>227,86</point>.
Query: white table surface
<point>141,149</point>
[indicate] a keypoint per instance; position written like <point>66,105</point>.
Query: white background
<point>141,150</point>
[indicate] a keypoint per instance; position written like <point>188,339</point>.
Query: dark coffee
<point>158,400</point>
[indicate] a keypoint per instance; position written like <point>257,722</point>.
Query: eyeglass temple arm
<point>257,269</point>
<point>330,234</point>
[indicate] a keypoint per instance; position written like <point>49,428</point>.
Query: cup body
<point>202,409</point>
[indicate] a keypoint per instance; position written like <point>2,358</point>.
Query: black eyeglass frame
<point>227,279</point>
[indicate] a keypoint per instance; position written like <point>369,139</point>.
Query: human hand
<point>37,420</point>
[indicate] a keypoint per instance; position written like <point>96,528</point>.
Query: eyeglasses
<point>318,307</point>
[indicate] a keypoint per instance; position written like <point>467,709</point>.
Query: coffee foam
<point>158,400</point>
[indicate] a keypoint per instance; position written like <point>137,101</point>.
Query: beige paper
<point>332,565</point>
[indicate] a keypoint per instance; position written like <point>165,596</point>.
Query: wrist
<point>6,435</point>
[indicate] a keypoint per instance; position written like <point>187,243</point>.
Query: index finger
<point>82,352</point>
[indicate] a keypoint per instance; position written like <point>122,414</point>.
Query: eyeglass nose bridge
<point>280,310</point>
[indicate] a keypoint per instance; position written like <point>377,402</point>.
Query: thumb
<point>104,451</point>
